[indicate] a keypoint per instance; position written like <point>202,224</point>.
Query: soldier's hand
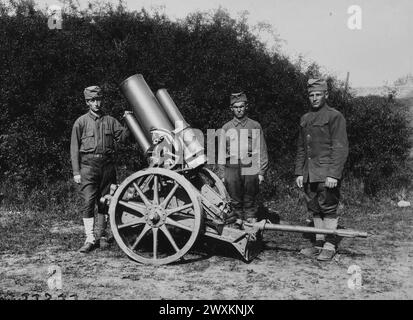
<point>77,178</point>
<point>223,180</point>
<point>260,179</point>
<point>331,182</point>
<point>299,181</point>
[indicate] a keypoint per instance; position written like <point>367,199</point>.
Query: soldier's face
<point>239,109</point>
<point>317,98</point>
<point>94,104</point>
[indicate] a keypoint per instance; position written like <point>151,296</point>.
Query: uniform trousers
<point>97,174</point>
<point>243,190</point>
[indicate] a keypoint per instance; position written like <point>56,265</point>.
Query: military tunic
<point>322,147</point>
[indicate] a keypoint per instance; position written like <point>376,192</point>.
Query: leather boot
<point>312,251</point>
<point>101,231</point>
<point>87,247</point>
<point>327,253</point>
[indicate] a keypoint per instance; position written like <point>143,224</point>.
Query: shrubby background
<point>200,60</point>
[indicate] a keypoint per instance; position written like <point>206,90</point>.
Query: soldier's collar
<point>94,115</point>
<point>323,108</point>
<point>238,122</point>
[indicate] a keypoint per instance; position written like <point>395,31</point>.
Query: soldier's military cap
<point>316,85</point>
<point>92,92</point>
<point>238,97</point>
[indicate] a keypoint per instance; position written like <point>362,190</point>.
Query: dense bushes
<point>379,136</point>
<point>200,60</point>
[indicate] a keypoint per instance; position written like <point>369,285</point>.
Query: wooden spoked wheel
<point>155,216</point>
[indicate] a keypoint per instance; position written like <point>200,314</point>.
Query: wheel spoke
<point>155,243</point>
<point>170,238</point>
<point>139,238</point>
<point>168,198</point>
<point>132,223</point>
<point>174,210</point>
<point>143,197</point>
<point>177,224</point>
<point>155,190</point>
<point>146,181</point>
<point>135,206</point>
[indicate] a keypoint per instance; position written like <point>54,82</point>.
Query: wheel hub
<point>155,216</point>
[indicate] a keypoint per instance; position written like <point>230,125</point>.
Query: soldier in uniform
<point>321,154</point>
<point>244,171</point>
<point>92,150</point>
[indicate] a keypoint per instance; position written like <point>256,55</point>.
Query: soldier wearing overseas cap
<point>322,151</point>
<point>92,149</point>
<point>243,171</point>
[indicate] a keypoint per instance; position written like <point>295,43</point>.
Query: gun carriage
<point>158,213</point>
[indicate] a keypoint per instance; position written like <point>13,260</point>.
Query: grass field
<point>30,242</point>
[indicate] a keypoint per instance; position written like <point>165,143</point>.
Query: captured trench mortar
<point>158,213</point>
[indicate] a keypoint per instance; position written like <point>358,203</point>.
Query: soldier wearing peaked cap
<point>322,151</point>
<point>246,159</point>
<point>92,149</point>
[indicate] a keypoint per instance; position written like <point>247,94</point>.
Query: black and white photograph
<point>228,152</point>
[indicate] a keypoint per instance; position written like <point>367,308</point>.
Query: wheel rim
<point>155,216</point>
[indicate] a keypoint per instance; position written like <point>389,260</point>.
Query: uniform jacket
<point>322,147</point>
<point>232,129</point>
<point>94,134</point>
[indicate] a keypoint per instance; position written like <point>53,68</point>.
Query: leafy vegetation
<point>200,60</point>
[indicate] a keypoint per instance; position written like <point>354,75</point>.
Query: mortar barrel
<point>194,154</point>
<point>170,107</point>
<point>137,131</point>
<point>146,108</point>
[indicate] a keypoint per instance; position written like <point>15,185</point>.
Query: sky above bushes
<point>379,53</point>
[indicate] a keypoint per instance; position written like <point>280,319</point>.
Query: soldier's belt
<point>95,155</point>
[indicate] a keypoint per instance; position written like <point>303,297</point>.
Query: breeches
<point>97,175</point>
<point>243,190</point>
<point>322,201</point>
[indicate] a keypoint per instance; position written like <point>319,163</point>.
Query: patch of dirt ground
<point>279,272</point>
